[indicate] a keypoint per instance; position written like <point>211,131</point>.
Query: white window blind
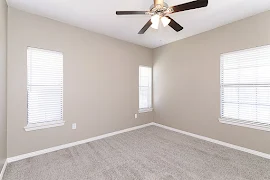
<point>245,88</point>
<point>145,87</point>
<point>44,86</point>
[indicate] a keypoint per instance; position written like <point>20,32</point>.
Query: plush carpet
<point>151,153</point>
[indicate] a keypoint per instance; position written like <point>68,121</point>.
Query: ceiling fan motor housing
<point>160,10</point>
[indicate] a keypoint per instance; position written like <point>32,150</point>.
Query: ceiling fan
<point>160,11</point>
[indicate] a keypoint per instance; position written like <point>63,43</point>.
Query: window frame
<point>238,122</point>
<point>149,109</point>
<point>48,124</point>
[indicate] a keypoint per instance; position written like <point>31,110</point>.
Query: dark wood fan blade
<point>190,5</point>
<point>130,12</point>
<point>145,27</point>
<point>177,27</point>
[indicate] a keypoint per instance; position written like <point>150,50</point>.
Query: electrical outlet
<point>136,116</point>
<point>74,126</point>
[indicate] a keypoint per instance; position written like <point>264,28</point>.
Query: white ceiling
<point>99,16</point>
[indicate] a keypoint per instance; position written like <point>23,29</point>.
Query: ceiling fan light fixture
<point>155,26</point>
<point>165,21</point>
<point>155,21</point>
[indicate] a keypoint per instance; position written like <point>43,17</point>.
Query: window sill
<point>145,110</point>
<point>45,125</point>
<point>248,124</point>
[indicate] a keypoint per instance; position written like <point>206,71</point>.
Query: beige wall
<point>100,82</point>
<point>3,87</point>
<point>186,81</point>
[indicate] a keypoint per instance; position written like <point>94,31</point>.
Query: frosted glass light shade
<point>155,21</point>
<point>165,21</point>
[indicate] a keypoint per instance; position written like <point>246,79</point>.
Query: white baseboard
<point>36,153</point>
<point>257,153</point>
<point>3,170</point>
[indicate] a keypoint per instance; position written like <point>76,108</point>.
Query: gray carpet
<point>151,153</point>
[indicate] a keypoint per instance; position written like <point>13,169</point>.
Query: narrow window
<point>44,88</point>
<point>145,89</point>
<point>245,88</point>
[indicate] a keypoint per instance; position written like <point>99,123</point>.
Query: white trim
<point>244,50</point>
<point>257,153</point>
<point>44,125</point>
<point>36,153</point>
<point>145,110</point>
<point>3,170</point>
<point>248,124</point>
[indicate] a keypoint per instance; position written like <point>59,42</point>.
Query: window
<point>44,89</point>
<point>245,88</point>
<point>145,89</point>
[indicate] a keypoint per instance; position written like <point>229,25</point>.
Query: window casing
<point>145,89</point>
<point>44,89</point>
<point>245,88</point>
